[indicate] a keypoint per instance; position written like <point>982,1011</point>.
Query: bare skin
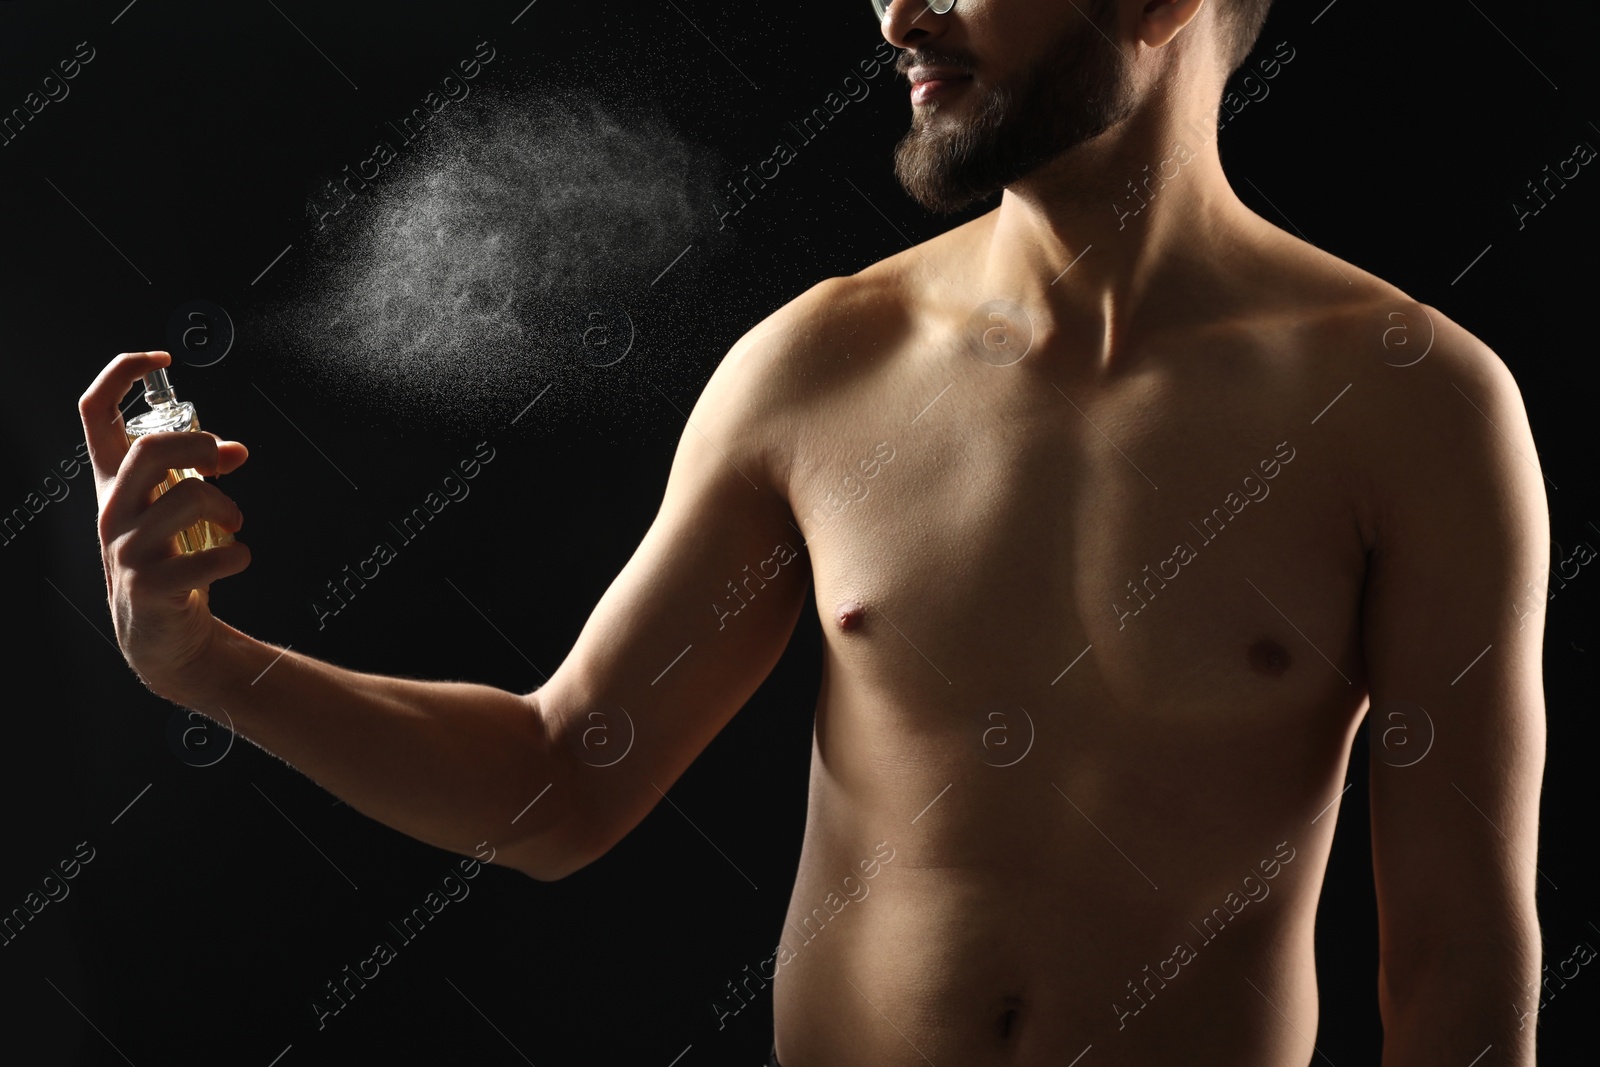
<point>1079,821</point>
<point>1031,783</point>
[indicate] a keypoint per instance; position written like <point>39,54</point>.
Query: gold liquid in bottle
<point>167,414</point>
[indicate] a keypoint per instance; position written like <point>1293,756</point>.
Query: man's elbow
<point>546,865</point>
<point>555,838</point>
<point>556,850</point>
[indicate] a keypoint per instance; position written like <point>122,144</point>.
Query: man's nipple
<point>1269,657</point>
<point>849,614</point>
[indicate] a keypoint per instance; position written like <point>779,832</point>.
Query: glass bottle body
<point>165,418</point>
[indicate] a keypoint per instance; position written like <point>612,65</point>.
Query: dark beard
<point>1077,92</point>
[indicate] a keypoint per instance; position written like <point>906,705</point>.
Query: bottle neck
<point>166,412</point>
<point>157,390</point>
<point>162,408</point>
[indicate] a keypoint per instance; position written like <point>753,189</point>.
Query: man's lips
<point>925,85</point>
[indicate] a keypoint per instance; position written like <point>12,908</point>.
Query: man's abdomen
<point>1025,924</point>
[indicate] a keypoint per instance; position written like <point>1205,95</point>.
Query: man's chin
<point>945,198</point>
<point>940,184</point>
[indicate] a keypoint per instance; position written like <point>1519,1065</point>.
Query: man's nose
<point>908,21</point>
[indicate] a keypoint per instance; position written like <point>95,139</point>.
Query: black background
<point>179,167</point>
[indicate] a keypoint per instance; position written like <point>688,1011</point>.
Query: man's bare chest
<point>1183,540</point>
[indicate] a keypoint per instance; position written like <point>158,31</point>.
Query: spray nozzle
<point>157,390</point>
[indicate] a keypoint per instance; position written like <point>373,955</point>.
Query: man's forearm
<point>1451,1009</point>
<point>449,763</point>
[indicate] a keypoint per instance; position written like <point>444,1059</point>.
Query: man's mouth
<point>928,84</point>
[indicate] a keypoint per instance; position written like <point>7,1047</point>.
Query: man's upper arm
<point>698,616</point>
<point>1453,637</point>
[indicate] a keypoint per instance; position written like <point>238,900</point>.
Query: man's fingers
<point>197,570</point>
<point>230,454</point>
<point>101,409</point>
<point>177,509</point>
<point>146,465</point>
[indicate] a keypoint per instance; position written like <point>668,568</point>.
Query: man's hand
<point>159,596</point>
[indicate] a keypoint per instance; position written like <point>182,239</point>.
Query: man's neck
<point>1116,240</point>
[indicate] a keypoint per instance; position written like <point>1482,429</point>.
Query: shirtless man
<point>1116,520</point>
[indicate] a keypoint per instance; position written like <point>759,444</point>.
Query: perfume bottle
<point>167,414</point>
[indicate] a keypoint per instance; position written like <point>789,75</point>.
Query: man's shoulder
<point>1426,401</point>
<point>867,314</point>
<point>1341,309</point>
<point>1406,347</point>
<point>830,331</point>
<point>772,385</point>
<point>1351,320</point>
<point>829,312</point>
<point>1405,394</point>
